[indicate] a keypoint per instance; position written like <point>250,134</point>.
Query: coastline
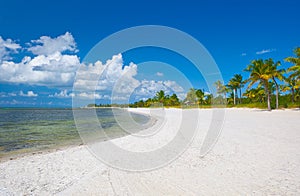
<point>15,154</point>
<point>257,153</point>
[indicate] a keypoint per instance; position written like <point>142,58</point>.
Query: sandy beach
<point>257,153</point>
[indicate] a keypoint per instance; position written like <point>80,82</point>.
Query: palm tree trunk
<point>240,95</point>
<point>277,98</point>
<point>269,101</point>
<point>234,96</point>
<point>293,95</point>
<point>277,93</point>
<point>268,95</point>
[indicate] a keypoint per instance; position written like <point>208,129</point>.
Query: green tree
<point>167,101</point>
<point>291,85</point>
<point>160,96</point>
<point>255,94</point>
<point>221,89</point>
<point>233,87</point>
<point>295,69</point>
<point>276,74</point>
<point>238,79</point>
<point>148,102</point>
<point>174,101</point>
<point>200,96</point>
<point>293,79</point>
<point>191,97</point>
<point>140,103</point>
<point>208,98</point>
<point>260,72</point>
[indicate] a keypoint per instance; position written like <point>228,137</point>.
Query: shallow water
<point>29,130</point>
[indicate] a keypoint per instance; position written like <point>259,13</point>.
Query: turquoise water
<point>29,130</point>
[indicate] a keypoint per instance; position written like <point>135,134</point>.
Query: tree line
<point>265,73</point>
<point>160,99</point>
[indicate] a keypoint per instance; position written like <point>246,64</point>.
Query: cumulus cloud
<point>265,51</point>
<point>6,48</point>
<point>113,76</point>
<point>47,45</point>
<point>63,94</point>
<point>81,95</point>
<point>173,86</point>
<point>119,81</point>
<point>49,68</point>
<point>149,88</point>
<point>86,95</point>
<point>53,70</point>
<point>28,94</point>
<point>244,54</point>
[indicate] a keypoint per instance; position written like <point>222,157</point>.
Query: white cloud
<point>12,94</point>
<point>181,96</point>
<point>174,86</point>
<point>49,68</point>
<point>113,76</point>
<point>47,45</point>
<point>28,94</point>
<point>265,51</point>
<point>244,54</point>
<point>6,47</point>
<point>159,74</point>
<point>85,95</point>
<point>16,102</point>
<point>5,94</point>
<point>80,95</point>
<point>63,94</point>
<point>120,98</point>
<point>149,88</point>
<point>53,70</point>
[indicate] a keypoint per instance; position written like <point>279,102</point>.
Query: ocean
<point>32,130</point>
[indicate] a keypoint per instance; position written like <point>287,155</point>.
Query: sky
<point>44,44</point>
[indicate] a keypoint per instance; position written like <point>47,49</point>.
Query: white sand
<point>257,153</point>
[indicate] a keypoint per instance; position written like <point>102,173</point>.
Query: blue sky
<point>234,32</point>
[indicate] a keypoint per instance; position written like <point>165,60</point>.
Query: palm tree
<point>255,94</point>
<point>233,87</point>
<point>238,78</point>
<point>191,97</point>
<point>174,101</point>
<point>276,74</point>
<point>160,96</point>
<point>293,80</point>
<point>208,98</point>
<point>295,69</point>
<point>221,89</point>
<point>148,102</point>
<point>200,96</point>
<point>236,83</point>
<point>260,72</point>
<point>291,85</point>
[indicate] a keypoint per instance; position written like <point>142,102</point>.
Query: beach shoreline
<point>257,153</point>
<point>16,153</point>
